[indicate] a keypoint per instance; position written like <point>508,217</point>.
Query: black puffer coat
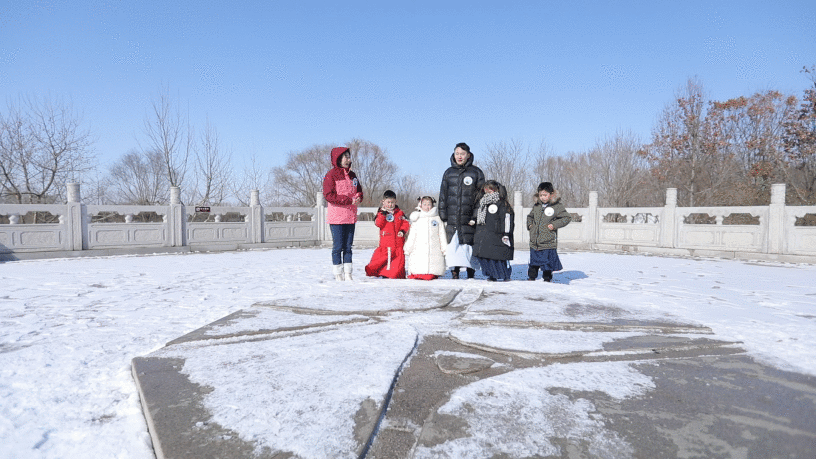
<point>499,222</point>
<point>457,198</point>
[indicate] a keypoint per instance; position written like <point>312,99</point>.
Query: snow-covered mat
<point>315,394</point>
<point>70,328</point>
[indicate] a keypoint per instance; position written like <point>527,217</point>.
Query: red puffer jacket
<point>389,259</point>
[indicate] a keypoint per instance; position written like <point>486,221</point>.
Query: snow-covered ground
<point>70,327</point>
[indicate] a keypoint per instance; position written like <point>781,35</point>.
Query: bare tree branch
<point>169,134</point>
<point>42,147</point>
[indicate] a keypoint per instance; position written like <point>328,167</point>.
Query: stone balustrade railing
<point>774,232</point>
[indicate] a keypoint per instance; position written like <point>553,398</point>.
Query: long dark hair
<point>495,186</point>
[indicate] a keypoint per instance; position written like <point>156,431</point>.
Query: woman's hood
<point>336,153</point>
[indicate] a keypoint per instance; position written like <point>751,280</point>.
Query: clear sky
<point>415,77</point>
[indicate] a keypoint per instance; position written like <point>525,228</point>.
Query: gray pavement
<point>709,400</point>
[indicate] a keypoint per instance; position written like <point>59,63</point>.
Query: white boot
<point>338,272</point>
<point>347,269</point>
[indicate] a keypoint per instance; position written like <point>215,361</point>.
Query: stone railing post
<point>177,221</point>
<point>518,209</point>
<point>320,217</point>
<point>75,219</point>
<point>776,219</point>
<point>591,226</point>
<point>256,217</point>
<point>668,222</point>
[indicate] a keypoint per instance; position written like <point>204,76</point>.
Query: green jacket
<point>541,237</point>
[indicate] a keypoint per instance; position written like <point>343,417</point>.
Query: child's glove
<point>401,234</point>
<point>506,241</point>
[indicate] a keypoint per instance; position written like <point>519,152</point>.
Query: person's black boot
<point>532,272</point>
<point>547,276</point>
<point>454,273</point>
<point>471,273</point>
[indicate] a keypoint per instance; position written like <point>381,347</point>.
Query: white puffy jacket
<point>426,243</point>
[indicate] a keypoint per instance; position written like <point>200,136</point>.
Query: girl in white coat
<point>426,242</point>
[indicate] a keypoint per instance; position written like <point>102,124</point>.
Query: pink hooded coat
<point>340,186</point>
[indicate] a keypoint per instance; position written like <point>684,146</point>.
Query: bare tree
<point>681,152</point>
<point>800,146</point>
<point>510,164</point>
<point>376,171</point>
<point>254,176</point>
<point>568,174</point>
<point>300,179</point>
<point>138,178</point>
<point>96,188</point>
<point>618,170</point>
<point>409,188</point>
<point>42,146</point>
<point>747,137</point>
<point>169,134</point>
<point>213,169</point>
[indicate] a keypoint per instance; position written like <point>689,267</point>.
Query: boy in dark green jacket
<point>547,216</point>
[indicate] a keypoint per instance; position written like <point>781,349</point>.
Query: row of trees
<point>300,179</point>
<point>713,152</point>
<point>729,153</point>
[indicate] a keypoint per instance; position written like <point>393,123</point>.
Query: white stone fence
<point>776,232</point>
<point>75,229</point>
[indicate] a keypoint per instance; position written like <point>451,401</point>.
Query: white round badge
<point>549,211</point>
<point>389,217</point>
<point>355,182</point>
<point>492,208</point>
<point>468,181</point>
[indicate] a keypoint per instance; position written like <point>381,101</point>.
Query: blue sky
<point>414,77</point>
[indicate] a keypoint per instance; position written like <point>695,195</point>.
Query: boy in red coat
<point>388,259</point>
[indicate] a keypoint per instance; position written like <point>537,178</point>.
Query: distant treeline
<point>713,152</point>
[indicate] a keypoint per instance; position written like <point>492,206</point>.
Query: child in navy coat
<point>493,241</point>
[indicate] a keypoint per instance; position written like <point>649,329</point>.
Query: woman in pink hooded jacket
<point>343,192</point>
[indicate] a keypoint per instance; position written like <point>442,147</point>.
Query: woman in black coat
<point>457,198</point>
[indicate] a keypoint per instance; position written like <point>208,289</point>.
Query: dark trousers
<point>342,239</point>
<point>455,272</point>
<point>532,273</point>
